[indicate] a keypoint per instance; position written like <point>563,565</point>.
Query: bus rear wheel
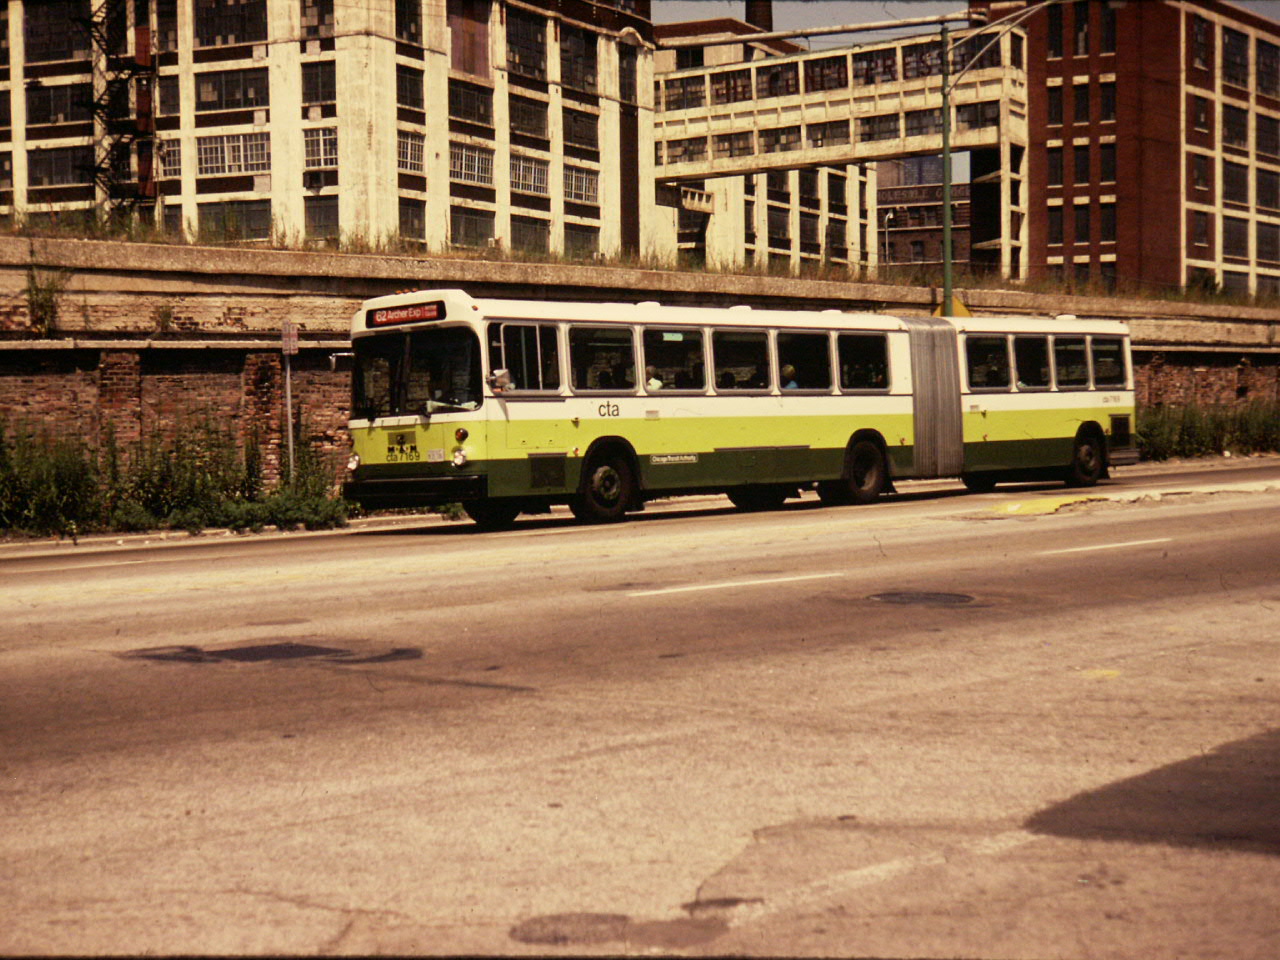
<point>1087,463</point>
<point>979,482</point>
<point>608,487</point>
<point>492,514</point>
<point>866,476</point>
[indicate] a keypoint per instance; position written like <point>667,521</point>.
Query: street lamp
<point>888,219</point>
<point>948,84</point>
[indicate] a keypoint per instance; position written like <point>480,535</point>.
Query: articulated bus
<point>510,406</point>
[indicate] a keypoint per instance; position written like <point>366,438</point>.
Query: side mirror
<point>500,380</point>
<point>343,361</point>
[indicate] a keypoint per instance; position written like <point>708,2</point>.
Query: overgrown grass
<point>1199,431</point>
<point>191,478</point>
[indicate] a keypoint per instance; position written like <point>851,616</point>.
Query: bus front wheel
<point>755,498</point>
<point>492,514</point>
<point>608,486</point>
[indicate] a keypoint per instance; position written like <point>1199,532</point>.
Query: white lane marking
<point>842,884</point>
<point>727,585</point>
<point>1105,546</point>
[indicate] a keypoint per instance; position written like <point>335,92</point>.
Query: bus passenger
<point>652,381</point>
<point>789,377</point>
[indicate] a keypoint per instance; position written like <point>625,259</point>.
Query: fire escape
<point>123,107</point>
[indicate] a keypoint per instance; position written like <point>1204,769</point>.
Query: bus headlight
<point>460,458</point>
<point>353,461</point>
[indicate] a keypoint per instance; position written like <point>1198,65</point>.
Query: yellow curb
<point>1026,508</point>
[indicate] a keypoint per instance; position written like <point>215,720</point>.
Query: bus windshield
<point>418,372</point>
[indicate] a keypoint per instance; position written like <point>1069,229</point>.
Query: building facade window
<point>1107,42</point>
<point>64,103</point>
<point>1080,12</point>
<point>1267,189</point>
<point>731,86</point>
<point>581,185</point>
<point>410,148</point>
<point>1080,157</point>
<point>1080,103</point>
<point>232,90</point>
<point>168,96</point>
<point>57,166</point>
<point>578,58</point>
<point>921,60</point>
<point>781,80</point>
<point>317,19</point>
<point>1235,237</point>
<point>233,153</point>
<point>973,116</point>
<point>528,117</point>
<point>526,43</point>
<point>1268,70</point>
<point>413,218</point>
<point>221,23</point>
<point>1235,183</point>
<point>688,150</point>
<point>921,123</point>
<point>320,148</point>
<point>1054,30</point>
<point>468,164</point>
<point>409,21</point>
<point>1200,119</point>
<point>581,129</point>
<point>1107,101</point>
<point>529,175</point>
<point>409,90</point>
<point>1235,126</point>
<point>235,220</point>
<point>470,103</point>
<point>628,73</point>
<point>780,139</point>
<point>169,153</point>
<point>733,144</point>
<point>1267,241</point>
<point>319,82</point>
<point>1107,163</point>
<point>321,217</point>
<point>530,235</point>
<point>468,36</point>
<point>1053,176</point>
<point>1053,228</point>
<point>1053,101</point>
<point>55,30</point>
<point>1107,222</point>
<point>166,36</point>
<point>1081,223</point>
<point>686,93</point>
<point>1200,228</point>
<point>1200,171</point>
<point>883,127</point>
<point>1201,43</point>
<point>1235,58</point>
<point>470,227</point>
<point>581,241</point>
<point>831,133</point>
<point>875,66</point>
<point>1266,132</point>
<point>830,73</point>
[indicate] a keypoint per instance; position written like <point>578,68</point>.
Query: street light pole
<point>946,175</point>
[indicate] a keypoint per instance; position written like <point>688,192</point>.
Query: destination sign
<point>410,313</point>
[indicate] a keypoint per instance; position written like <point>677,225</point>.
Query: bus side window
<point>741,359</point>
<point>864,361</point>
<point>530,356</point>
<point>1031,356</point>
<point>988,362</point>
<point>674,360</point>
<point>804,361</point>
<point>1108,362</point>
<point>1070,363</point>
<point>603,358</point>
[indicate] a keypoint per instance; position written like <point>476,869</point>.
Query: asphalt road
<point>1004,725</point>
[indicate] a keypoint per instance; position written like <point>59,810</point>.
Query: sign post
<point>289,348</point>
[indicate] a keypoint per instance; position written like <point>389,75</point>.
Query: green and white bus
<point>509,406</point>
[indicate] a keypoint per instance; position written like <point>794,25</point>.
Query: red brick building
<point>1154,144</point>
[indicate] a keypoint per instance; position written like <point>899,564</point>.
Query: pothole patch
<point>559,929</point>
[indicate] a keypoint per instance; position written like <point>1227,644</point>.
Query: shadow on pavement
<point>1228,798</point>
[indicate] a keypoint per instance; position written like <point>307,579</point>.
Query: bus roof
<point>458,306</point>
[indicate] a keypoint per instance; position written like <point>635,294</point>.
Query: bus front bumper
<point>382,493</point>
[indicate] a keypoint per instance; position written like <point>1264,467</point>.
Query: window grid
<point>581,185</point>
<point>233,153</point>
<point>529,175</point>
<point>469,164</point>
<point>410,149</point>
<point>320,148</point>
<point>170,153</point>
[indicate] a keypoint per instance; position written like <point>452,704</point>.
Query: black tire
<point>979,482</point>
<point>755,499</point>
<point>868,472</point>
<point>1088,461</point>
<point>492,514</point>
<point>608,486</point>
<point>866,476</point>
